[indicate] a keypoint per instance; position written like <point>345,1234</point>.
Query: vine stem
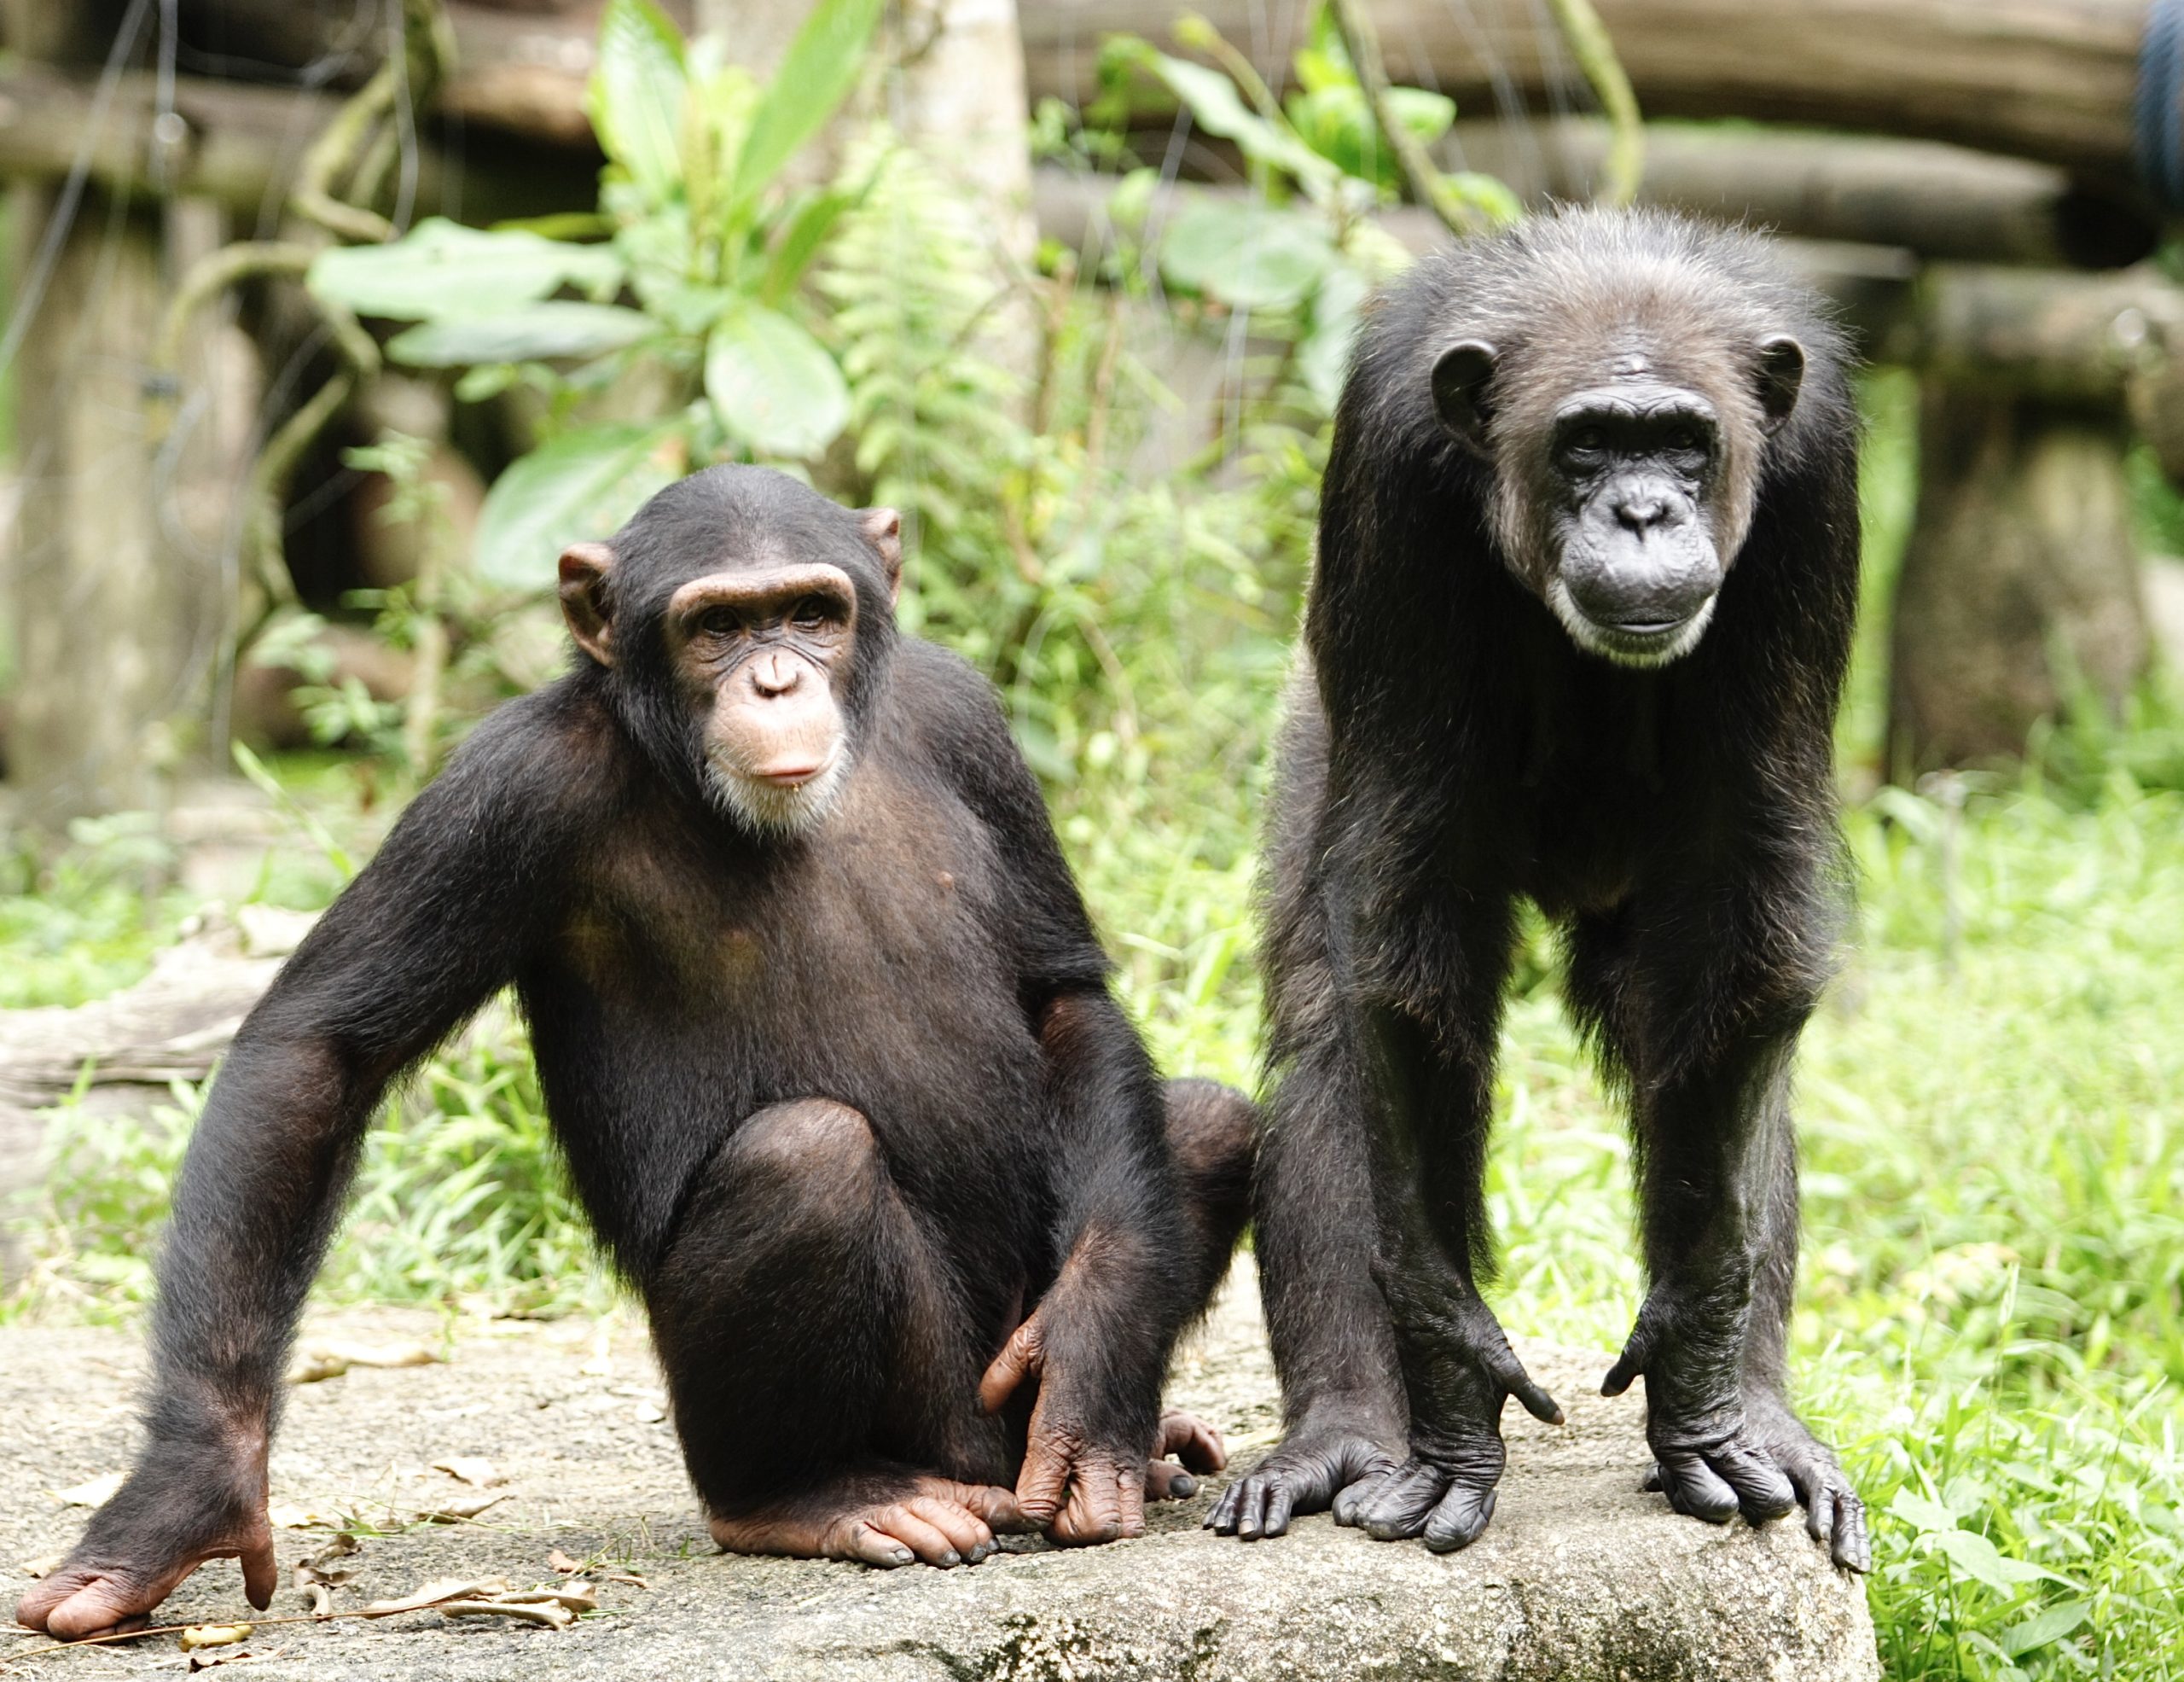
<point>1595,52</point>
<point>1427,184</point>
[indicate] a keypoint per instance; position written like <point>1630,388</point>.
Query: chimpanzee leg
<point>821,1368</point>
<point>1704,1036</point>
<point>1436,1071</point>
<point>1212,1130</point>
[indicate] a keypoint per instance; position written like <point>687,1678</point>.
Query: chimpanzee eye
<point>718,622</point>
<point>1584,445</point>
<point>1682,440</point>
<point>810,613</point>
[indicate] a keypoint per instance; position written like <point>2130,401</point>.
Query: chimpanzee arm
<point>424,934</point>
<point>1099,1341</point>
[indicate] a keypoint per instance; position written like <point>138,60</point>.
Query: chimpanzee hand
<point>1313,1466</point>
<point>1083,1478</point>
<point>1710,1462</point>
<point>173,1514</point>
<point>1459,1369</point>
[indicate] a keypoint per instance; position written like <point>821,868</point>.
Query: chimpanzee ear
<point>883,530</point>
<point>585,569</point>
<point>1781,371</point>
<point>1461,379</point>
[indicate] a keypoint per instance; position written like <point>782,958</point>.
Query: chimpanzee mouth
<point>1637,642</point>
<point>778,805</point>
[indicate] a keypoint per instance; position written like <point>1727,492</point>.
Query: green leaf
<point>2043,1627</point>
<point>814,75</point>
<point>1250,256</point>
<point>536,332</point>
<point>1323,359</point>
<point>1973,1555</point>
<point>635,97</point>
<point>1921,1512</point>
<point>807,231</point>
<point>443,269</point>
<point>585,484</point>
<point>773,385</point>
<point>1216,107</point>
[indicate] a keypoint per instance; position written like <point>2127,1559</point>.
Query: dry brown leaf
<point>439,1590</point>
<point>329,1358</point>
<point>214,1635</point>
<point>45,1565</point>
<point>547,1612</point>
<point>455,1511</point>
<point>471,1469</point>
<point>337,1547</point>
<point>577,1595</point>
<point>320,1596</point>
<point>568,1567</point>
<point>91,1492</point>
<point>241,1656</point>
<point>288,1515</point>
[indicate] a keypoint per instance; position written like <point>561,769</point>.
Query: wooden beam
<point>2047,79</point>
<point>1938,199</point>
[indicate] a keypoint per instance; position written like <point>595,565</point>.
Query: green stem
<point>1595,54</point>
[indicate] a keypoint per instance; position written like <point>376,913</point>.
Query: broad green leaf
<point>442,268</point>
<point>814,75</point>
<point>1973,1555</point>
<point>1323,359</point>
<point>535,333</point>
<point>1216,107</point>
<point>1247,255</point>
<point>635,97</point>
<point>799,242</point>
<point>585,484</point>
<point>2043,1627</point>
<point>773,385</point>
<point>1921,1512</point>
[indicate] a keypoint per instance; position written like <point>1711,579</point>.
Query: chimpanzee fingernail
<point>1184,1487</point>
<point>903,1556</point>
<point>951,1557</point>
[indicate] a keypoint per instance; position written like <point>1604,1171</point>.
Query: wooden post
<point>2020,585</point>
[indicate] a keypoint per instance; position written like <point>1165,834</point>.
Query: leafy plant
<point>1302,249</point>
<point>700,232</point>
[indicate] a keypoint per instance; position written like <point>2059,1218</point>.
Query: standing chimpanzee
<point>827,1039</point>
<point>1588,566</point>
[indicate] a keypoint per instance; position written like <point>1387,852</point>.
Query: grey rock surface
<point>1581,1576</point>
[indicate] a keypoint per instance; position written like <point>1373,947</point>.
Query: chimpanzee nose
<point>1641,513</point>
<point>776,674</point>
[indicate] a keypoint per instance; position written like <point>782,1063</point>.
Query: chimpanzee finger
<point>1129,1491</point>
<point>1461,1518</point>
<point>1694,1490</point>
<point>994,1507</point>
<point>1191,1440</point>
<point>1763,1493</point>
<point>964,1530</point>
<point>1400,1503</point>
<point>1852,1549</point>
<point>867,1543</point>
<point>1352,1496</point>
<point>1020,1358</point>
<point>1165,1480</point>
<point>260,1574</point>
<point>1508,1371</point>
<point>1093,1513</point>
<point>1653,1484</point>
<point>1820,1511</point>
<point>1280,1501</point>
<point>1221,1518</point>
<point>1248,1518</point>
<point>917,1533</point>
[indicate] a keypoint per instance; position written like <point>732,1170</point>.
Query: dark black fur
<point>839,1105</point>
<point>1451,749</point>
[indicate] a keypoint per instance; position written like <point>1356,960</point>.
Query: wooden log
<point>239,145</point>
<point>1939,200</point>
<point>2047,79</point>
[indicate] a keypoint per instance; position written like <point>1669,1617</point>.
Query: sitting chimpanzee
<point>826,1037</point>
<point>1588,566</point>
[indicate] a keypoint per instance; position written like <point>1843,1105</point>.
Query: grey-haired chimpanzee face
<point>1622,494</point>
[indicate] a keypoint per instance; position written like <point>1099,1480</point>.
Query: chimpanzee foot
<point>1311,1469</point>
<point>1835,1516</point>
<point>882,1519</point>
<point>1444,1495</point>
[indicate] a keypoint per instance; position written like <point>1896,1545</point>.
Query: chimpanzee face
<point>764,659</point>
<point>1623,496</point>
<point>741,618</point>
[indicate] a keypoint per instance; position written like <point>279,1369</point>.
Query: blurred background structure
<point>325,323</point>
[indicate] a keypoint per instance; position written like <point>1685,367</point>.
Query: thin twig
<point>1595,52</point>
